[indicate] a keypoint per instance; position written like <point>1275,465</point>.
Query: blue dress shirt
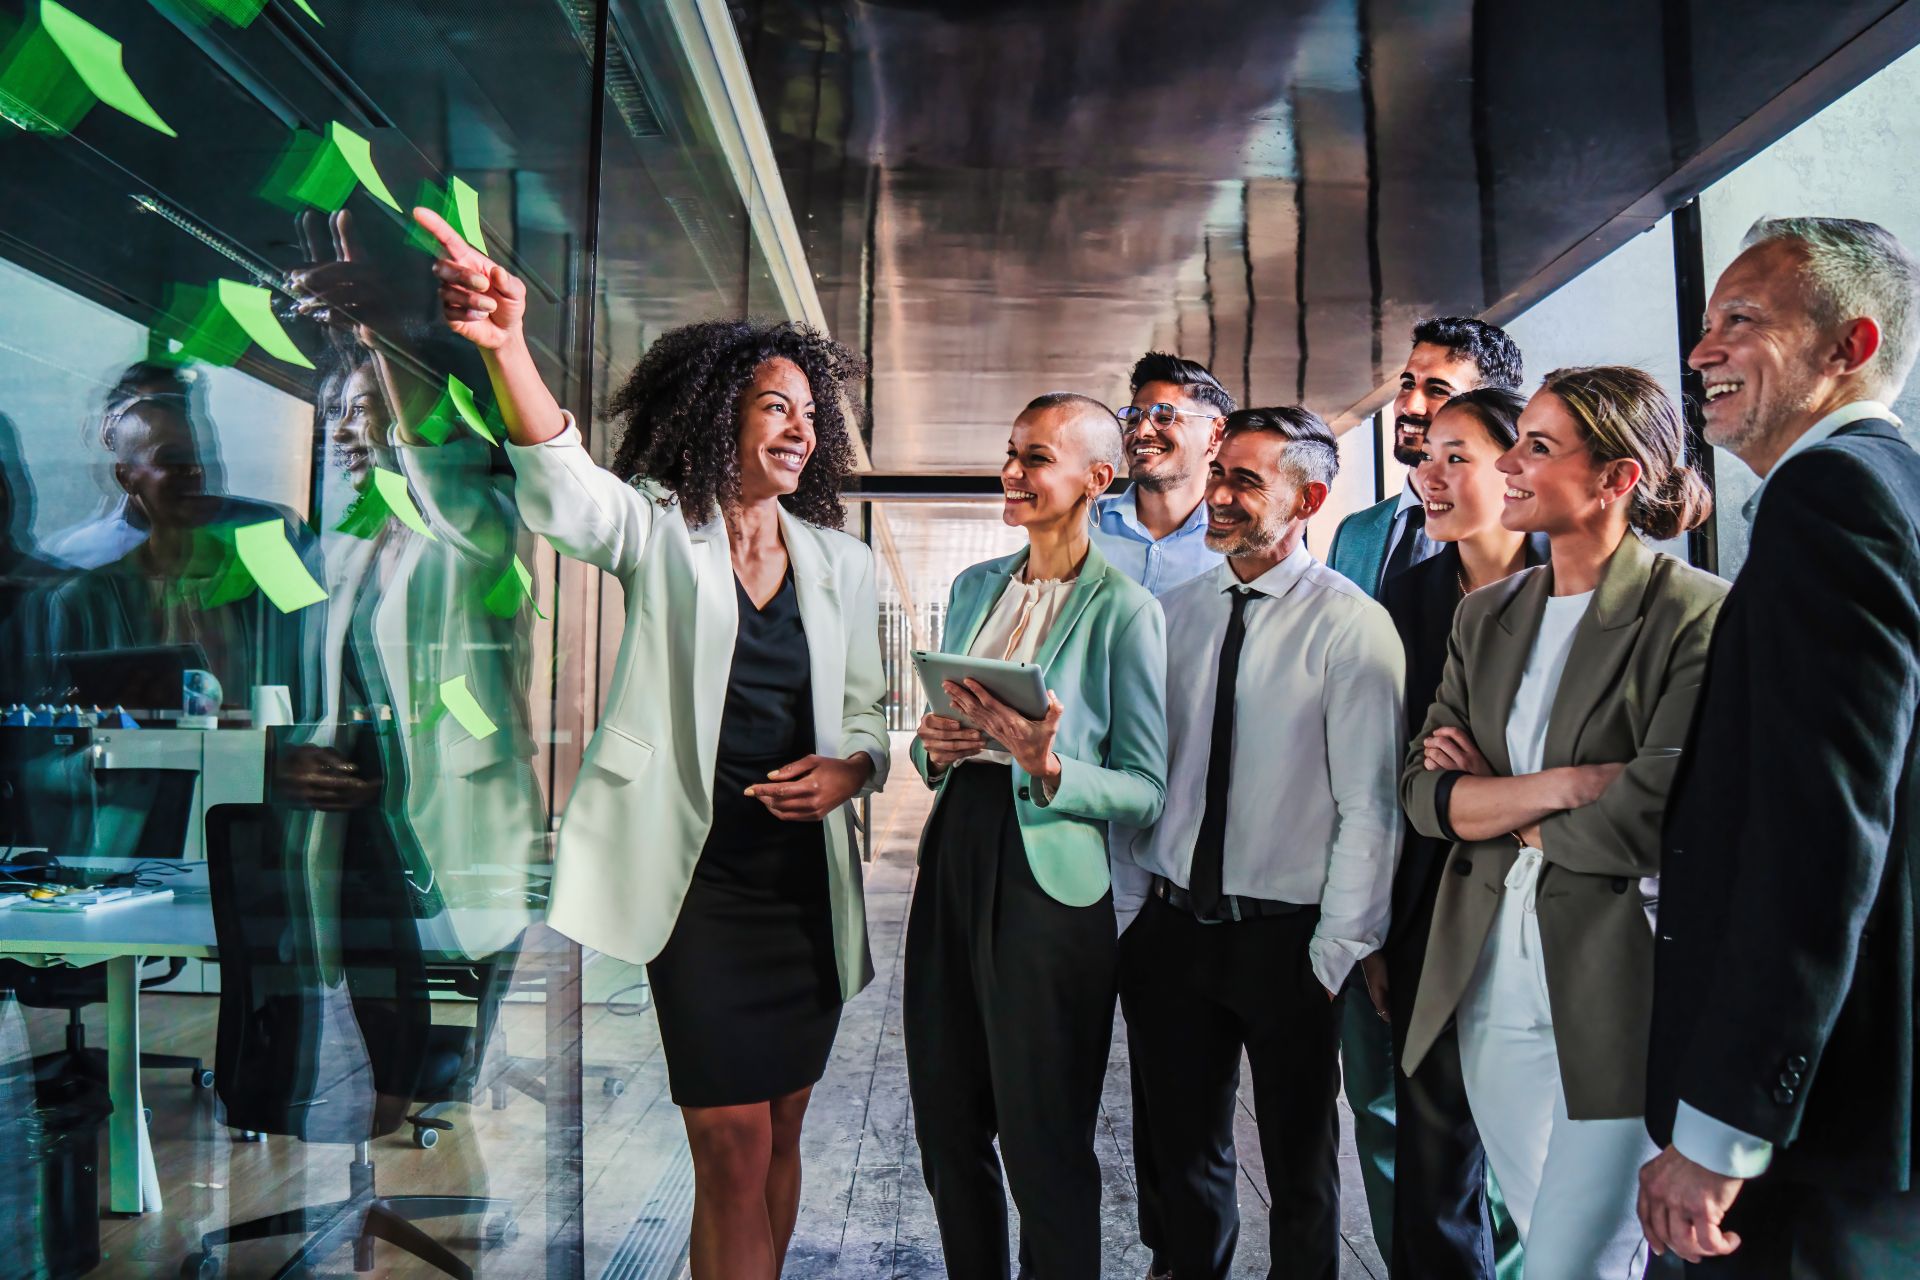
<point>1158,564</point>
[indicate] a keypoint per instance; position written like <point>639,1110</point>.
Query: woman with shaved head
<point>1011,954</point>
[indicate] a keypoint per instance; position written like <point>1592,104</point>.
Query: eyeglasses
<point>1161,415</point>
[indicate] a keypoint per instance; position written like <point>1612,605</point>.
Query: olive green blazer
<point>1106,658</point>
<point>1627,696</point>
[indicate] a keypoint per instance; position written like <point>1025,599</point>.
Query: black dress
<point>747,989</point>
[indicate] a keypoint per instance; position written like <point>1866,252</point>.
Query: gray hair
<point>1312,455</point>
<point>1098,429</point>
<point>1856,269</point>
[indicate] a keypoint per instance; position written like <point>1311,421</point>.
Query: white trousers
<point>1571,1185</point>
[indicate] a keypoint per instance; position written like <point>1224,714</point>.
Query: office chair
<point>283,1067</point>
<point>73,990</point>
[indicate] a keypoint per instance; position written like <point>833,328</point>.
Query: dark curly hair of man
<point>681,413</point>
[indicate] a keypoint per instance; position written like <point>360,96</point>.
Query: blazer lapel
<point>1092,571</point>
<point>1601,645</point>
<point>819,599</point>
<point>716,624</point>
<point>992,583</point>
<point>1502,665</point>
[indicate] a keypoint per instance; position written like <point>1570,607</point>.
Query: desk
<point>120,937</point>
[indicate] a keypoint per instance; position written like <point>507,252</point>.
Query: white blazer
<point>643,805</point>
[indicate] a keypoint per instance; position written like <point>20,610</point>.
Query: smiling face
<point>159,465</point>
<point>1256,505</point>
<point>1463,490</point>
<point>1432,377</point>
<point>1761,354</point>
<point>1553,484</point>
<point>776,430</point>
<point>354,419</point>
<point>1163,458</point>
<point>1049,474</point>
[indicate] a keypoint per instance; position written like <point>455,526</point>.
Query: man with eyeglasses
<point>1155,532</point>
<point>1450,355</point>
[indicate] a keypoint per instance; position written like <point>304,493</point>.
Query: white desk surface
<point>183,924</point>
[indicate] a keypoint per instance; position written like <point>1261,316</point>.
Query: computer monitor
<point>144,680</point>
<point>52,797</point>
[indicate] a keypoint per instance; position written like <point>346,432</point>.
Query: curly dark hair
<point>680,410</point>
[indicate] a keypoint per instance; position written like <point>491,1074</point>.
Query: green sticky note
<point>515,585</point>
<point>276,566</point>
<point>252,309</point>
<point>308,10</point>
<point>466,209</point>
<point>95,58</point>
<point>462,398</point>
<point>464,707</point>
<point>358,153</point>
<point>392,488</point>
<point>365,517</point>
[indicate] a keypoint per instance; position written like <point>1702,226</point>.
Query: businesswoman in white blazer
<point>1011,962</point>
<point>706,835</point>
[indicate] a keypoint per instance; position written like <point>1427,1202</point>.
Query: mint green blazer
<point>1106,659</point>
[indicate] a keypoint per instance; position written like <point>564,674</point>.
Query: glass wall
<point>290,695</point>
<point>1845,162</point>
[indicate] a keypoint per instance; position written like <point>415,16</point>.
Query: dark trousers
<point>1008,1012</point>
<point>1195,996</point>
<point>1793,1231</point>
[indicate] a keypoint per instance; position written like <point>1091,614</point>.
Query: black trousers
<point>1442,1228</point>
<point>1008,1012</point>
<point>1195,996</point>
<point>1792,1231</point>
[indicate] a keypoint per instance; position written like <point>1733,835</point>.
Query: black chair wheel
<point>500,1229</point>
<point>426,1138</point>
<point>203,1078</point>
<point>613,1086</point>
<point>199,1266</point>
<point>248,1135</point>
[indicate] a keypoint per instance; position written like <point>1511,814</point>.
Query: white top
<point>1313,812</point>
<point>1017,627</point>
<point>1533,704</point>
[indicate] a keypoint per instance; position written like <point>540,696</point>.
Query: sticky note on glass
<point>465,708</point>
<point>386,499</point>
<point>515,586</point>
<point>357,152</point>
<point>308,10</point>
<point>252,309</point>
<point>315,171</point>
<point>60,65</point>
<point>276,566</point>
<point>459,204</point>
<point>455,403</point>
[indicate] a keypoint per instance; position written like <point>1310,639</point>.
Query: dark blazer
<point>1784,994</point>
<point>1422,602</point>
<point>1627,695</point>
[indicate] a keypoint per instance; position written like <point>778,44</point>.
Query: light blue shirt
<point>1158,564</point>
<point>1710,1143</point>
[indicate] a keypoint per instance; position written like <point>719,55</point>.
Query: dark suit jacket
<point>1784,1000</point>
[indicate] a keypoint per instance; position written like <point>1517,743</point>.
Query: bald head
<point>1088,424</point>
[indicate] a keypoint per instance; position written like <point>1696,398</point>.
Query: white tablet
<point>1021,685</point>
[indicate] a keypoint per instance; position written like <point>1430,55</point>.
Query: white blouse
<point>1018,627</point>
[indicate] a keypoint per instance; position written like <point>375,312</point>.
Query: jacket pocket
<point>620,755</point>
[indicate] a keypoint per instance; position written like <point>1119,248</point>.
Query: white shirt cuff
<point>1332,961</point>
<point>1715,1145</point>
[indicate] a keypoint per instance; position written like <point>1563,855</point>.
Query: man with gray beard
<point>1272,864</point>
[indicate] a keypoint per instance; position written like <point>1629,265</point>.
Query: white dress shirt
<point>1313,812</point>
<point>1845,416</point>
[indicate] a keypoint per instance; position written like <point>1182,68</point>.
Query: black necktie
<point>1402,558</point>
<point>1210,849</point>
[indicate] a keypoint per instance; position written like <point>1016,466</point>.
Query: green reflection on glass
<point>515,586</point>
<point>238,13</point>
<point>459,702</point>
<point>58,66</point>
<point>276,566</point>
<point>252,307</point>
<point>308,10</point>
<point>321,172</point>
<point>214,574</point>
<point>455,401</point>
